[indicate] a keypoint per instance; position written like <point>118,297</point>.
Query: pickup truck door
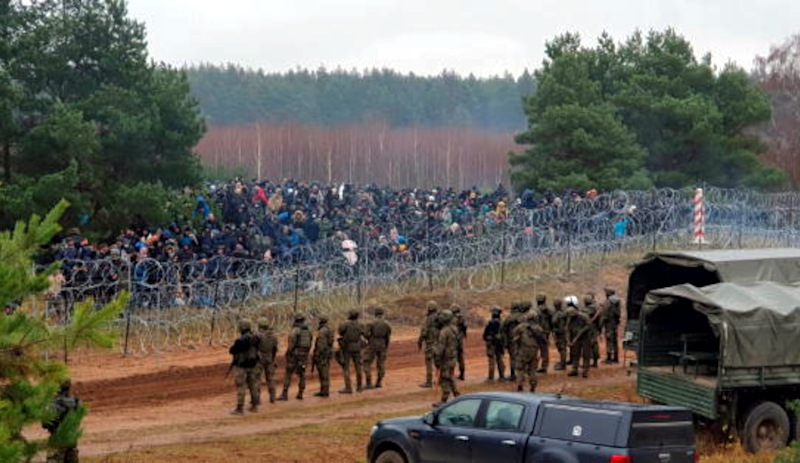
<point>501,436</point>
<point>450,437</point>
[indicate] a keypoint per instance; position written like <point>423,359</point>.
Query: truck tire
<point>766,427</point>
<point>390,456</point>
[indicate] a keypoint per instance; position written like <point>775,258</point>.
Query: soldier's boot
<point>284,395</point>
<point>299,395</point>
<point>461,376</point>
<point>346,390</point>
<point>573,373</point>
<point>272,396</point>
<point>615,358</point>
<point>321,394</point>
<point>594,363</point>
<point>608,360</point>
<point>585,374</point>
<point>426,385</point>
<point>559,366</point>
<point>239,410</point>
<point>542,370</point>
<point>520,388</point>
<point>368,384</point>
<point>379,384</point>
<point>253,408</point>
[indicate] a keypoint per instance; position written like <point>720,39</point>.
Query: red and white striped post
<point>699,217</point>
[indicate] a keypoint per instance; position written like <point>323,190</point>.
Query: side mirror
<point>429,419</point>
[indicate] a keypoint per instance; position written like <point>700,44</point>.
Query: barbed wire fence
<point>185,303</point>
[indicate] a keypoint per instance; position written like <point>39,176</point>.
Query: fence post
<point>213,313</point>
<point>503,262</point>
<point>296,286</point>
<point>127,330</point>
<point>358,281</point>
<point>569,249</point>
<point>428,256</point>
<point>655,224</point>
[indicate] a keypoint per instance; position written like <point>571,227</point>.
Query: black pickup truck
<point>502,427</point>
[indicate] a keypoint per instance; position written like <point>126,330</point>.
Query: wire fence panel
<point>197,302</point>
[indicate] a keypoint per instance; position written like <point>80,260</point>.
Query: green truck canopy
<point>758,322</point>
<point>702,268</point>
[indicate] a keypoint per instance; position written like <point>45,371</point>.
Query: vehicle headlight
<point>372,431</point>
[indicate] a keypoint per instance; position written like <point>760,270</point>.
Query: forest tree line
<point>233,95</point>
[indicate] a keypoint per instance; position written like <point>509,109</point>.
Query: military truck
<point>730,352</point>
<point>702,268</point>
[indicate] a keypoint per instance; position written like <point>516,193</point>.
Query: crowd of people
<point>281,222</point>
<point>525,335</point>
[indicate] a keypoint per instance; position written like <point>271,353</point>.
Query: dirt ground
<point>173,407</point>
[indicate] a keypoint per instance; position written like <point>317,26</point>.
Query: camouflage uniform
<point>527,338</point>
<point>590,308</point>
<point>267,354</point>
<point>300,341</point>
<point>579,330</point>
<point>545,321</point>
<point>559,328</point>
<point>63,404</point>
<point>493,338</point>
<point>461,325</point>
<point>446,355</point>
<point>245,368</point>
<point>351,335</point>
<point>321,356</point>
<point>610,320</point>
<point>507,327</point>
<point>428,335</point>
<point>377,334</point>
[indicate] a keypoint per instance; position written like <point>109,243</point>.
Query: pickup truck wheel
<point>390,456</point>
<point>766,427</point>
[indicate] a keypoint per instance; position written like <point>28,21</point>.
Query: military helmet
<point>432,306</point>
<point>571,301</point>
<point>352,314</point>
<point>609,291</point>
<point>65,385</point>
<point>379,311</point>
<point>495,311</point>
<point>263,323</point>
<point>244,326</point>
<point>588,299</point>
<point>455,308</point>
<point>299,317</point>
<point>541,298</point>
<point>323,319</point>
<point>531,316</point>
<point>526,306</point>
<point>446,315</point>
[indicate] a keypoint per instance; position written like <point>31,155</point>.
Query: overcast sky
<point>484,37</point>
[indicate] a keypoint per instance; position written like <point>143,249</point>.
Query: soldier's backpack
<point>303,340</point>
<point>380,330</point>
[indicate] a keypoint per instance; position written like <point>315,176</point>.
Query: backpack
<point>303,340</point>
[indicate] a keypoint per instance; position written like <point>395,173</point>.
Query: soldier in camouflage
<point>590,308</point>
<point>493,338</point>
<point>63,404</point>
<point>559,328</point>
<point>428,336</point>
<point>300,341</point>
<point>544,321</point>
<point>267,355</point>
<point>321,356</point>
<point>246,368</point>
<point>446,355</point>
<point>580,332</point>
<point>527,337</point>
<point>351,335</point>
<point>377,333</point>
<point>507,328</point>
<point>610,320</point>
<point>461,325</point>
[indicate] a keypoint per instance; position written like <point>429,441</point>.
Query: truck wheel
<point>766,427</point>
<point>390,456</point>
